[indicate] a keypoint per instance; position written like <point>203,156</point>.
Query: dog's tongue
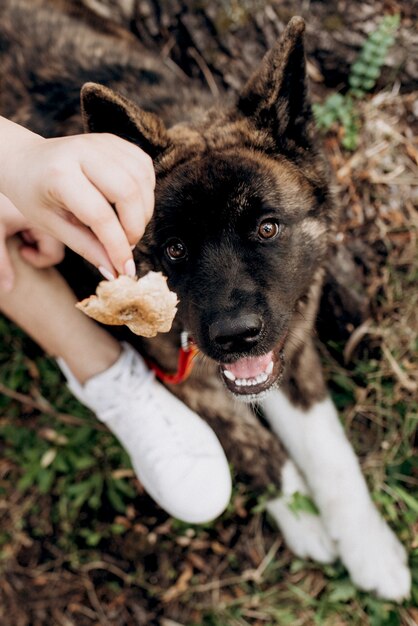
<point>249,367</point>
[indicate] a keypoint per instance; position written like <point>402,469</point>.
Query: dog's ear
<point>105,111</point>
<point>275,98</point>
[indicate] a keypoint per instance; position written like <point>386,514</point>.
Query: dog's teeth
<point>249,382</point>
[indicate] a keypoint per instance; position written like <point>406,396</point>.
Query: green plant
<point>301,503</point>
<point>68,464</point>
<point>342,108</point>
<point>73,465</point>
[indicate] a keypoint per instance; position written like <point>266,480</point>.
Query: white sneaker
<point>175,454</point>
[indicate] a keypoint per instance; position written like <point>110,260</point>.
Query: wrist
<point>14,140</point>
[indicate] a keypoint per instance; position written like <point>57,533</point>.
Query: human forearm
<point>13,138</point>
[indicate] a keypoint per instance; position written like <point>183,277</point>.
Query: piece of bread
<point>146,306</point>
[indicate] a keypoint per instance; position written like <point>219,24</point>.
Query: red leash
<point>187,352</point>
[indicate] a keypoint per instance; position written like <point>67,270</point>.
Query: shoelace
<point>130,380</point>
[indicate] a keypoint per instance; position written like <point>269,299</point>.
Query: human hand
<point>38,248</point>
<point>69,185</point>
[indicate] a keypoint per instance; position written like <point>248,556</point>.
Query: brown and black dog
<point>241,228</point>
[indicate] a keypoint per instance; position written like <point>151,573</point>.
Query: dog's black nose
<point>236,333</point>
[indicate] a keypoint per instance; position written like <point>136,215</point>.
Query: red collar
<point>187,352</point>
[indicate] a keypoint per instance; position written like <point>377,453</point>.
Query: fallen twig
<point>43,406</point>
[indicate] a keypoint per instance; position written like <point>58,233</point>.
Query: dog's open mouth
<point>251,376</point>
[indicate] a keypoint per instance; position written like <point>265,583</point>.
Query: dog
<point>242,225</point>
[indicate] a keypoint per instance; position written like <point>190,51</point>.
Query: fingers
<point>92,209</point>
<point>93,192</point>
<point>127,180</point>
<point>6,269</point>
<point>132,197</point>
<point>83,241</point>
<point>46,252</point>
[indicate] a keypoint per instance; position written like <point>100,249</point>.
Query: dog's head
<point>242,211</point>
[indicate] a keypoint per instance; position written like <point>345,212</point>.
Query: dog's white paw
<point>368,548</point>
<point>375,558</point>
<point>303,532</point>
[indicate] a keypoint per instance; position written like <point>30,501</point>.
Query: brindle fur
<point>49,49</point>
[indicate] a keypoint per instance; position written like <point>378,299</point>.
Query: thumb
<point>6,270</point>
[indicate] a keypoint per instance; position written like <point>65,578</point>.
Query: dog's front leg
<point>317,443</point>
<point>304,531</point>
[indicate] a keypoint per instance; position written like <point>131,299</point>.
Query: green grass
<point>68,483</point>
<point>62,452</point>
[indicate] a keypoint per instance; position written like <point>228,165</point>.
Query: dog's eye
<point>176,250</point>
<point>268,229</point>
